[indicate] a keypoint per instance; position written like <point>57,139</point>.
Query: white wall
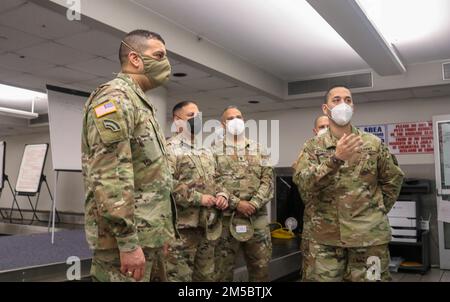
<point>70,190</point>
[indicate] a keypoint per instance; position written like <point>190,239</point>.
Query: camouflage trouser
<point>257,252</point>
<point>191,258</point>
<point>334,264</point>
<point>106,266</point>
<point>307,259</point>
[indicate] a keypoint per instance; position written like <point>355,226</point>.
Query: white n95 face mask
<point>342,114</point>
<point>236,126</point>
<point>322,131</point>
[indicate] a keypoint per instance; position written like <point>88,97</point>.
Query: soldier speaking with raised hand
<point>129,214</point>
<point>354,182</point>
<point>199,199</point>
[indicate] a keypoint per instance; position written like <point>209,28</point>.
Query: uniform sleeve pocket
<point>150,148</point>
<point>111,128</point>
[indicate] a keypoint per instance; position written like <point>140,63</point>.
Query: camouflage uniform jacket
<point>246,173</point>
<point>194,173</point>
<point>350,201</point>
<point>126,173</point>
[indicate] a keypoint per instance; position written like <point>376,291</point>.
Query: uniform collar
<point>240,145</point>
<point>183,139</point>
<point>330,140</point>
<point>136,88</point>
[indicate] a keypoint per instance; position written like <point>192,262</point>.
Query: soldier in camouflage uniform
<point>245,172</point>
<point>199,199</point>
<point>321,125</point>
<point>129,216</point>
<point>353,182</point>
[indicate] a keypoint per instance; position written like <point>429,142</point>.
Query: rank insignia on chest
<point>105,109</point>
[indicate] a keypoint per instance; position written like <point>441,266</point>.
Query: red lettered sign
<point>410,138</point>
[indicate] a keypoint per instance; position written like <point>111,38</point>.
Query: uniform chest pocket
<point>254,164</point>
<point>208,164</point>
<point>224,165</point>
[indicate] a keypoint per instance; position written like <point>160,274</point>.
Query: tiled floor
<point>433,275</point>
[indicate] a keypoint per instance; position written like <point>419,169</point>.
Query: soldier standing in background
<point>128,208</point>
<point>245,172</point>
<point>199,199</point>
<point>353,182</point>
<point>321,125</point>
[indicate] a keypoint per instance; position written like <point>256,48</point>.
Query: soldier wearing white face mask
<point>352,182</point>
<point>245,172</point>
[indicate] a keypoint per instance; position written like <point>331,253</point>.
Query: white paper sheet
<point>444,211</point>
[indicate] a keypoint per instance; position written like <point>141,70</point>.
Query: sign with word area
<point>377,130</point>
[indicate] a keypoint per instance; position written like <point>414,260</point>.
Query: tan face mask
<point>157,71</point>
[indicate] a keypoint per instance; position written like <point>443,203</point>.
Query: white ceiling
<point>419,29</point>
<point>39,47</point>
<point>291,40</point>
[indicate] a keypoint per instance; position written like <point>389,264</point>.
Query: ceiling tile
<point>259,98</point>
<point>93,42</point>
<point>6,5</point>
<point>65,75</point>
<point>208,83</point>
<point>192,73</point>
<point>27,64</point>
<point>55,53</point>
<point>29,81</point>
<point>98,66</point>
<point>176,89</point>
<point>12,39</point>
<point>235,92</point>
<point>8,74</point>
<point>90,85</point>
<point>36,20</point>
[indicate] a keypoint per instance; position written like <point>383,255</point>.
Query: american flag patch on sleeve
<point>105,109</point>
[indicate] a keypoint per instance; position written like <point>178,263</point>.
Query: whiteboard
<point>31,168</point>
<point>65,112</point>
<point>2,163</point>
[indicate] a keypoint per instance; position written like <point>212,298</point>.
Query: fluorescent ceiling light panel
<point>15,94</point>
<point>403,21</point>
<point>18,113</point>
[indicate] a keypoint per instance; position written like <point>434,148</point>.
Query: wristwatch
<point>337,161</point>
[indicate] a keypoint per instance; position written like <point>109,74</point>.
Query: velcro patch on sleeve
<point>111,125</point>
<point>105,109</point>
